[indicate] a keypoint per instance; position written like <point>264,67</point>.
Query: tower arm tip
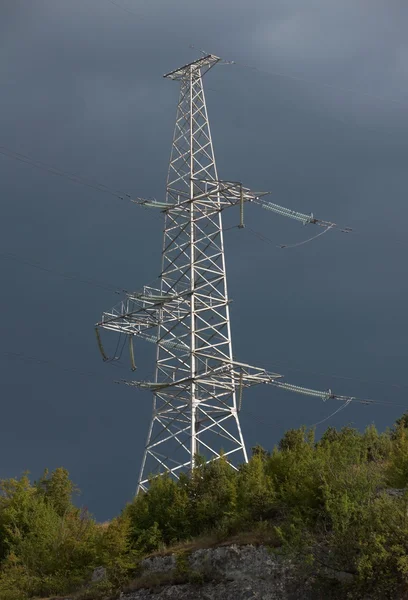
<point>205,61</point>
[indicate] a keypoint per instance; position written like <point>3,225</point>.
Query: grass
<point>254,537</point>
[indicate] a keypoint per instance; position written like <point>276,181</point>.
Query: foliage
<point>398,467</point>
<point>340,504</point>
<point>48,546</point>
<point>159,516</point>
<point>57,490</point>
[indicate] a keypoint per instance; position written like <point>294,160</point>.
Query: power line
<point>118,290</point>
<point>68,276</point>
<point>264,421</point>
<point>100,187</point>
<point>184,178</point>
<point>89,374</point>
<point>274,73</point>
<point>331,116</point>
<point>47,362</point>
<point>342,407</point>
<point>344,377</point>
<point>306,241</point>
<point>321,84</point>
<point>51,363</point>
<point>350,123</point>
<point>196,383</point>
<point>264,238</point>
<point>125,9</point>
<point>76,371</point>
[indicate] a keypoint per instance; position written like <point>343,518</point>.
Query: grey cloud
<point>347,45</point>
<point>82,88</point>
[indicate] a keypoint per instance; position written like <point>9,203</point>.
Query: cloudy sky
<point>314,110</point>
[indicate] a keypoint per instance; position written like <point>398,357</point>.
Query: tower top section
<point>194,67</point>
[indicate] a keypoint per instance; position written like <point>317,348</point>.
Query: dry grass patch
<point>155,580</point>
<point>255,537</point>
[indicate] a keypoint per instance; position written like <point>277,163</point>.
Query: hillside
<point>324,519</point>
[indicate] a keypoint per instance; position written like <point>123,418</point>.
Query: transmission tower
<point>197,388</point>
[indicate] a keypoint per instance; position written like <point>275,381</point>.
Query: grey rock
<point>159,564</point>
<point>396,492</point>
<point>99,574</point>
<point>230,573</point>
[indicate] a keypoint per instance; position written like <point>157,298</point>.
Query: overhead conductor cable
<point>132,354</point>
<point>100,345</point>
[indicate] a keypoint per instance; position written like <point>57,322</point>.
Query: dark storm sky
<point>322,124</point>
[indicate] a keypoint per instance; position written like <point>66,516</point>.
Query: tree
<point>163,509</point>
<point>256,496</point>
<point>57,489</point>
<point>212,494</point>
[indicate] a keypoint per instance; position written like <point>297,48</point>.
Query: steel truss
<point>197,389</point>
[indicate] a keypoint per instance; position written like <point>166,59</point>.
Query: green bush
<point>339,504</point>
<point>48,546</point>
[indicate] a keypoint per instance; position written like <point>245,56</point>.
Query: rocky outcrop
<point>223,573</point>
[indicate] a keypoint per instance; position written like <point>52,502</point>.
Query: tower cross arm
<point>194,67</point>
<point>216,193</point>
<point>230,192</point>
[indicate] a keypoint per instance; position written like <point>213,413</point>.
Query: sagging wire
<point>132,354</point>
<point>121,350</point>
<point>240,391</point>
<point>342,407</point>
<point>282,246</point>
<point>116,355</point>
<point>263,238</point>
<point>260,236</point>
<point>267,422</point>
<point>348,401</point>
<point>105,357</point>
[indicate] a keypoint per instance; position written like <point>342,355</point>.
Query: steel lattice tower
<point>197,411</point>
<point>197,389</point>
